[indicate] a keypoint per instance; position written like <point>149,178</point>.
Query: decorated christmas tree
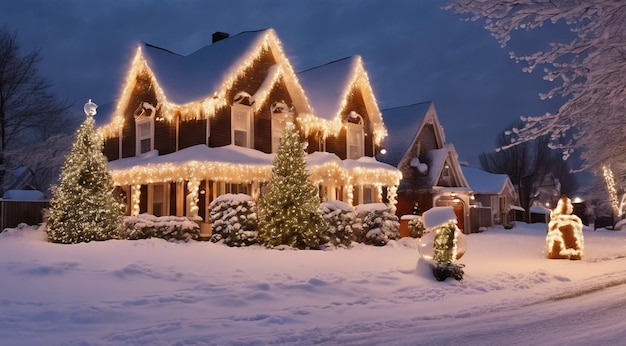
<point>83,207</point>
<point>289,211</point>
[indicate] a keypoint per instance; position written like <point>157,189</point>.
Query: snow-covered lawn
<point>154,292</point>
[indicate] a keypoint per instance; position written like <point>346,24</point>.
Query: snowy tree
<point>288,213</point>
<point>29,113</point>
<point>83,207</point>
<point>44,159</point>
<point>589,72</point>
<point>527,165</point>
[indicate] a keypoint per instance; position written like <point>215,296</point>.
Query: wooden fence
<point>13,212</point>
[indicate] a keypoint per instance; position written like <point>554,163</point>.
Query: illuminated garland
<point>208,107</point>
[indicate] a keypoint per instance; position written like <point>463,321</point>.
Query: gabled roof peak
<point>424,103</point>
<point>352,59</point>
<point>160,48</point>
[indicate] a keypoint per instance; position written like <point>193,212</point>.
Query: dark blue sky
<point>413,51</point>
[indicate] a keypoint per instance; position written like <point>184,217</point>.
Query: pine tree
<point>289,212</point>
<point>83,207</point>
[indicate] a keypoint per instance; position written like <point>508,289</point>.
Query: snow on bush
<point>234,220</point>
<point>170,228</point>
<point>416,226</point>
<point>340,217</point>
<point>375,224</point>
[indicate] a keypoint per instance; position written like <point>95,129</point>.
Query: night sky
<point>412,49</point>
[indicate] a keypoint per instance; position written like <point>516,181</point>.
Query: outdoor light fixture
<point>90,108</point>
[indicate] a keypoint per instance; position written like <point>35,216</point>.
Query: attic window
<point>280,116</point>
<point>241,124</point>
<point>144,128</point>
<point>446,171</point>
<point>354,136</point>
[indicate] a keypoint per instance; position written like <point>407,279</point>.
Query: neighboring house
<point>188,129</point>
<point>22,206</point>
<point>494,192</point>
<point>20,178</point>
<point>431,173</point>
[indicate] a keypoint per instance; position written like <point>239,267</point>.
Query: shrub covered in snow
<point>340,217</point>
<point>170,228</point>
<point>375,224</point>
<point>234,220</point>
<point>416,227</point>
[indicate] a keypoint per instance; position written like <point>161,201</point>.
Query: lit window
<point>446,171</point>
<point>145,135</point>
<point>278,127</point>
<point>354,136</point>
<point>368,195</point>
<point>241,116</point>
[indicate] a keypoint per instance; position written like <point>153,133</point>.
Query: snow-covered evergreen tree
<point>83,207</point>
<point>589,72</point>
<point>289,212</point>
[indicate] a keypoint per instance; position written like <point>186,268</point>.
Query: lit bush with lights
<point>375,224</point>
<point>234,220</point>
<point>443,246</point>
<point>340,217</point>
<point>170,228</point>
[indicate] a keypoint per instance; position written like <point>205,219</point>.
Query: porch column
<point>193,186</point>
<point>135,191</point>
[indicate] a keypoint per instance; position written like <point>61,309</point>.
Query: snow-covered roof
<point>227,154</point>
<point>23,195</point>
<point>329,86</point>
<point>367,170</point>
<point>403,124</point>
<point>238,164</point>
<point>195,76</point>
<point>537,209</point>
<point>483,182</point>
<point>325,85</point>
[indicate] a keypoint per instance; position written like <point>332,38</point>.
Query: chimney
<point>218,36</point>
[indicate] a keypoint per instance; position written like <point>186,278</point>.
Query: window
<point>158,200</point>
<point>145,135</point>
<point>446,171</point>
<point>368,195</point>
<point>354,136</point>
<point>241,117</point>
<point>363,195</point>
<point>278,127</point>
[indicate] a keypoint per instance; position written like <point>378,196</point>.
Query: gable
<point>444,169</point>
<point>198,85</point>
<point>330,89</point>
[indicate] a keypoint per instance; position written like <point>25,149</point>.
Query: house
<point>187,129</point>
<point>496,194</point>
<point>431,173</point>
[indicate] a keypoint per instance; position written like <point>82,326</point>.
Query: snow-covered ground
<point>153,292</point>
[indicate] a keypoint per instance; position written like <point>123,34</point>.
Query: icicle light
<point>209,106</point>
